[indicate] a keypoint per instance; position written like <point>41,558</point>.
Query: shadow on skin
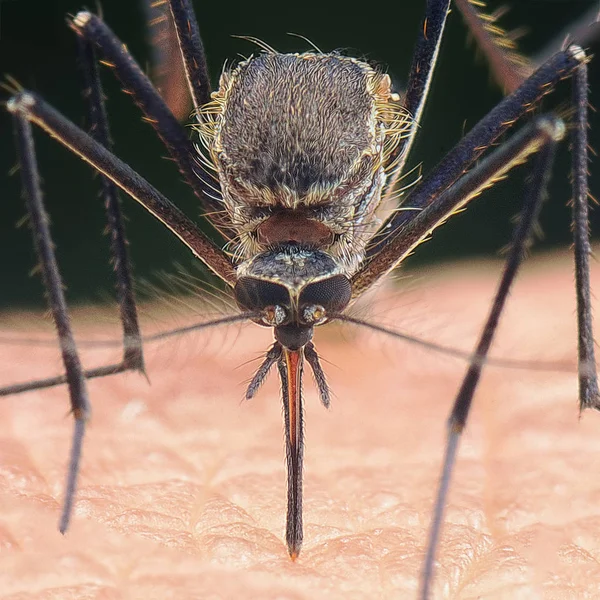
<point>182,492</point>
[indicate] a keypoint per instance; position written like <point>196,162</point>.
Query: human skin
<point>182,488</point>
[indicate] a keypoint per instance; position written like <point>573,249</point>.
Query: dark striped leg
<point>509,68</point>
<point>588,379</point>
<point>550,132</point>
<point>424,59</point>
<point>192,51</point>
<point>32,108</point>
<point>25,108</point>
<point>75,377</point>
<point>133,357</point>
<point>113,52</point>
<point>444,191</point>
<point>69,135</point>
<point>395,238</point>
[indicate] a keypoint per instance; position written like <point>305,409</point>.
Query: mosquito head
<point>293,289</point>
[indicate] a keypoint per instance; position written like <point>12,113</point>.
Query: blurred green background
<point>38,49</point>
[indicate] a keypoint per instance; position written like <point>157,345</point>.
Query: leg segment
<point>80,406</point>
<point>508,67</point>
<point>35,109</point>
<point>419,80</point>
<point>492,168</point>
<point>192,51</point>
<point>132,343</point>
<point>588,380</point>
<point>389,246</point>
<point>458,418</point>
<point>155,111</point>
<point>443,192</point>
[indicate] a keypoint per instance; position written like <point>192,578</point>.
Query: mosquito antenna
<point>155,337</point>
<point>199,326</point>
<point>473,359</point>
<point>528,365</point>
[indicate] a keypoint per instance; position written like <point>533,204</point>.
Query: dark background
<point>38,49</point>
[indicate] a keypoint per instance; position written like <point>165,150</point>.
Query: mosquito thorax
<point>292,289</point>
<point>299,143</point>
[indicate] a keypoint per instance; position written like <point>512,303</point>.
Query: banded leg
<point>550,131</point>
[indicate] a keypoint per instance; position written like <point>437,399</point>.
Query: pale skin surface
<point>182,491</point>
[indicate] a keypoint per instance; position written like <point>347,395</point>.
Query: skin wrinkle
<point>182,491</point>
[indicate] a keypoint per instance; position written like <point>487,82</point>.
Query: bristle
<point>389,112</point>
<point>510,67</point>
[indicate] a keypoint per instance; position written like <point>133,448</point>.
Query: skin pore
<point>182,489</point>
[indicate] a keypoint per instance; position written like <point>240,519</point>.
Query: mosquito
<point>293,157</point>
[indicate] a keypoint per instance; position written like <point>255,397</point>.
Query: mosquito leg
<point>395,238</point>
<point>121,367</point>
<point>80,406</point>
<point>132,343</point>
<point>192,51</point>
<point>491,168</point>
<point>155,111</point>
<point>588,379</point>
<point>167,69</point>
<point>534,195</point>
<point>419,80</point>
<point>290,367</point>
<point>42,114</point>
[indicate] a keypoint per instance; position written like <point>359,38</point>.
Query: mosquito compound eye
<point>265,297</point>
<point>324,297</point>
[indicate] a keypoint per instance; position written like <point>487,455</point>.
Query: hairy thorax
<point>300,143</point>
